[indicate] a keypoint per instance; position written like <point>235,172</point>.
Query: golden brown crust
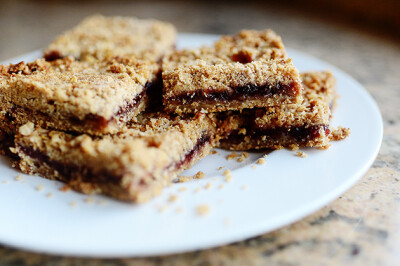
<point>64,94</point>
<point>250,59</point>
<point>98,37</point>
<point>132,165</point>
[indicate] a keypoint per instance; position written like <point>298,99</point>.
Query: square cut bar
<point>244,71</point>
<point>290,126</point>
<point>133,165</point>
<point>94,98</point>
<point>98,37</point>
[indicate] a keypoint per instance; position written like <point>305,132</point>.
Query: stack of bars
<point>113,108</point>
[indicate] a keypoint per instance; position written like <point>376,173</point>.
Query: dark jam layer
<point>192,153</point>
<point>100,122</point>
<point>300,135</point>
<point>68,171</point>
<point>6,142</point>
<point>237,93</point>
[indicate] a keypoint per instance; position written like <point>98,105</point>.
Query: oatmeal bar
<point>243,71</point>
<point>292,126</point>
<point>133,165</point>
<point>65,94</point>
<point>98,37</point>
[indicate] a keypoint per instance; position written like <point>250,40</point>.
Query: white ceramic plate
<point>283,190</point>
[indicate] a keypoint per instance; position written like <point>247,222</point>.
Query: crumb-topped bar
<point>247,70</point>
<point>291,125</point>
<point>133,165</point>
<point>98,37</point>
<point>65,94</point>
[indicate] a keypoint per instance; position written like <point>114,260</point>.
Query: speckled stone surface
<point>362,227</point>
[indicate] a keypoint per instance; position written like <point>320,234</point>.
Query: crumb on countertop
<point>214,152</point>
<point>208,185</point>
<point>39,187</point>
<point>18,178</point>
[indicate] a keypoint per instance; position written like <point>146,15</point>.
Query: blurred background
<point>27,25</point>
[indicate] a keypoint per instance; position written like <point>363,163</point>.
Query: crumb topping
<point>98,37</point>
<point>67,88</point>
<point>248,59</point>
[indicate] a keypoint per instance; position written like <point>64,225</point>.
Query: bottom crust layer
<point>278,138</point>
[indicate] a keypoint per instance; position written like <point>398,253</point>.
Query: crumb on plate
<point>261,161</point>
<point>301,154</point>
<point>199,175</point>
<point>203,209</point>
<point>228,175</point>
<point>172,198</point>
<point>233,155</point>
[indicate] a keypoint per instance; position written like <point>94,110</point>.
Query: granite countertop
<point>362,227</point>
